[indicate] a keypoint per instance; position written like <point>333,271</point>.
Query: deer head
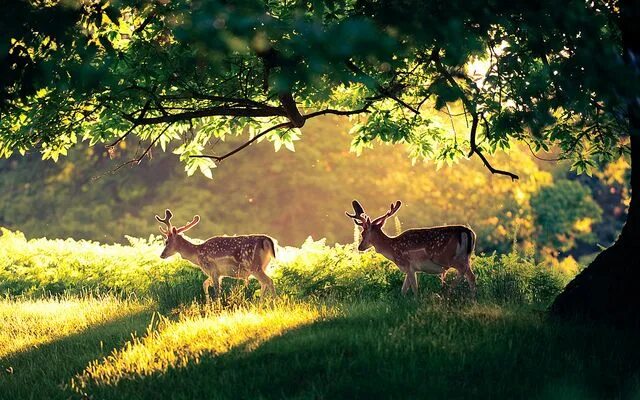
<point>173,234</point>
<point>371,230</point>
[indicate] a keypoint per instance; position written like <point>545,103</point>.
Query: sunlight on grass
<point>178,344</point>
<point>31,323</point>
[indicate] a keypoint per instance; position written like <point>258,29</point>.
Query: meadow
<point>80,319</point>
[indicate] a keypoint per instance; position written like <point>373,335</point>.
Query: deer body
<point>224,256</point>
<point>430,250</point>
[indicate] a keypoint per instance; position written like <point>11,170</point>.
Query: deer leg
<point>405,285</point>
<point>413,282</point>
<point>446,289</point>
<point>471,278</point>
<point>215,281</point>
<point>464,272</point>
<point>264,263</point>
<point>205,286</point>
<point>266,284</point>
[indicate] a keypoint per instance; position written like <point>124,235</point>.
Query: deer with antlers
<point>222,256</point>
<point>430,250</point>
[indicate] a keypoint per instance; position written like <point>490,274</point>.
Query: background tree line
<point>297,194</point>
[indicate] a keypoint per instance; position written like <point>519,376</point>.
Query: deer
<point>221,256</point>
<point>431,250</point>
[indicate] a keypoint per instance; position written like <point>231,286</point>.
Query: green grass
<point>84,320</point>
<point>41,267</point>
<point>106,348</point>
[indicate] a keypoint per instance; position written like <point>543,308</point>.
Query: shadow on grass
<point>411,351</point>
<point>45,372</point>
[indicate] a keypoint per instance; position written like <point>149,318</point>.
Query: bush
<point>319,270</point>
<point>516,278</point>
<point>41,266</point>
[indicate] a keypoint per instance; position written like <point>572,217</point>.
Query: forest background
<point>550,212</point>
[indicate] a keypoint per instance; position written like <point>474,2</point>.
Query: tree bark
<point>609,288</point>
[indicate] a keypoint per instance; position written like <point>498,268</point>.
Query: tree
<point>564,213</point>
<point>195,71</point>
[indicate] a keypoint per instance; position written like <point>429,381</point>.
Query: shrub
<point>41,266</point>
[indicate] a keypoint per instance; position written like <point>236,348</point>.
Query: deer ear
<point>174,230</point>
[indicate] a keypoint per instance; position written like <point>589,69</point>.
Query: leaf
<point>289,145</point>
<point>113,13</point>
<point>206,171</point>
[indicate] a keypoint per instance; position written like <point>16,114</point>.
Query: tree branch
<point>137,160</point>
<point>289,124</point>
<point>245,144</point>
<point>384,92</point>
<point>475,149</point>
<point>471,107</point>
<point>144,24</point>
<point>511,175</point>
<point>134,125</point>
<point>290,108</point>
<point>227,111</point>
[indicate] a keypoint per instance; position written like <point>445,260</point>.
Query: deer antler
<point>166,221</point>
<point>359,217</point>
<point>392,210</point>
<point>194,222</point>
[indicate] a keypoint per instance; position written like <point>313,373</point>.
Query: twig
<point>383,91</point>
<point>287,124</point>
<point>137,160</point>
<point>537,156</point>
<point>245,144</point>
<point>470,106</point>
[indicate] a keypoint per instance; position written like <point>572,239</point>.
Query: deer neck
<point>188,250</point>
<point>382,243</point>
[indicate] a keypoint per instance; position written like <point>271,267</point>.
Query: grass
<point>339,329</point>
<point>105,348</point>
<point>45,342</point>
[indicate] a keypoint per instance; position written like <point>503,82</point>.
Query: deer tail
<point>269,245</point>
<point>471,243</point>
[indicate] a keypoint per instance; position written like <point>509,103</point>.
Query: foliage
<point>315,270</point>
<point>564,212</point>
<point>318,270</point>
<point>193,72</point>
<point>67,266</point>
<point>289,197</point>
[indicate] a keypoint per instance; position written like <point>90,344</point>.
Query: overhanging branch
<point>291,109</point>
<point>475,149</point>
<point>245,144</point>
<point>146,151</point>
<point>227,111</point>
<point>471,107</point>
<point>288,124</point>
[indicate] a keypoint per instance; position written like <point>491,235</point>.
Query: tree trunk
<point>609,288</point>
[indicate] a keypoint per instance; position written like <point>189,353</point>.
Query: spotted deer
<point>430,250</point>
<point>222,256</point>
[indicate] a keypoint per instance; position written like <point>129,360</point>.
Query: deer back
<point>242,250</point>
<point>435,241</point>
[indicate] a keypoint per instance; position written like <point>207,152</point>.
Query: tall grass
<point>44,267</point>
